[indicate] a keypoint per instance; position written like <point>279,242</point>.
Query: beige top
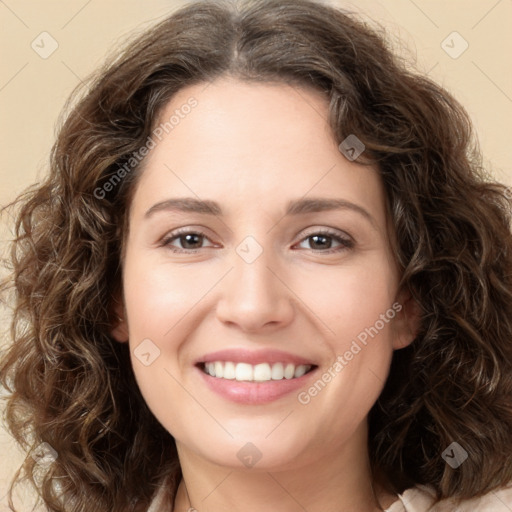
<point>419,499</point>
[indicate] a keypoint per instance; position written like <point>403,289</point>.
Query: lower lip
<point>254,393</point>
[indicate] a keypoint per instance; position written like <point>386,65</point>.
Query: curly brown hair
<point>72,386</point>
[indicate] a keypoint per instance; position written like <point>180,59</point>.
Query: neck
<point>335,480</point>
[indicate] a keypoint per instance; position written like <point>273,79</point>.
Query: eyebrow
<point>294,207</point>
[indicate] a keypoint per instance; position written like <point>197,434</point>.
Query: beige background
<point>33,89</point>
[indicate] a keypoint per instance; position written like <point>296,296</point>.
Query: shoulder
<point>420,498</point>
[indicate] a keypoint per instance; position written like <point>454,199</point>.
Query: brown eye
<point>327,242</point>
<point>190,241</point>
<point>185,241</point>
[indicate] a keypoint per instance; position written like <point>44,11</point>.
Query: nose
<point>255,297</point>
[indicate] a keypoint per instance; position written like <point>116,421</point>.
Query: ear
<point>407,321</point>
<point>119,330</point>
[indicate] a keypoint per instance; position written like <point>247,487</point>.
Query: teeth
<point>277,371</point>
<point>243,371</point>
<point>289,371</point>
<point>219,369</point>
<point>262,372</point>
<point>229,371</point>
<point>300,371</point>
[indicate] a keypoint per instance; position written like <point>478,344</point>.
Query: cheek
<point>350,298</point>
<point>356,306</point>
<point>158,297</point>
<point>160,304</point>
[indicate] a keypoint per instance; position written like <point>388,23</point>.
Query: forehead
<point>253,142</point>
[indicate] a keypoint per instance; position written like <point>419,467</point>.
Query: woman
<point>266,271</point>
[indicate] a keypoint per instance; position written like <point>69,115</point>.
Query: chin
<point>252,449</point>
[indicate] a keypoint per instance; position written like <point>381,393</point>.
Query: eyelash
<point>345,242</point>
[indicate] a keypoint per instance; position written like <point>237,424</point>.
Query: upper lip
<point>244,355</point>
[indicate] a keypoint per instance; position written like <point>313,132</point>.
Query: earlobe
<point>119,324</point>
<point>407,321</point>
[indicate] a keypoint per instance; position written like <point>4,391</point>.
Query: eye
<point>322,241</point>
<point>189,240</point>
<point>319,241</point>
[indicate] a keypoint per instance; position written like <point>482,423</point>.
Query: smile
<point>255,377</point>
<point>261,372</point>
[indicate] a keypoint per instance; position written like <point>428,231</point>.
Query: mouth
<point>254,377</point>
<point>261,372</point>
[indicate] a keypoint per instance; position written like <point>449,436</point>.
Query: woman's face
<point>256,251</point>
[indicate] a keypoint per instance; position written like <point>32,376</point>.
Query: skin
<point>252,148</point>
